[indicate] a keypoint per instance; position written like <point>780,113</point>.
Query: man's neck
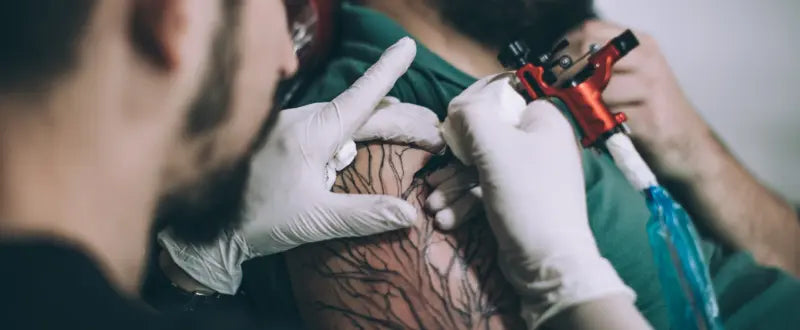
<point>66,181</point>
<point>425,24</point>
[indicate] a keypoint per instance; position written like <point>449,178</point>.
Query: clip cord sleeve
<point>684,276</point>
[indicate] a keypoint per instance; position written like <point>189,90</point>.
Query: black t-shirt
<point>49,286</point>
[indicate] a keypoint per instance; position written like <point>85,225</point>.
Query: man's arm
<point>713,186</point>
<point>746,215</point>
<point>417,278</point>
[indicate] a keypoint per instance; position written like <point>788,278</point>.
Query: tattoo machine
<point>683,274</point>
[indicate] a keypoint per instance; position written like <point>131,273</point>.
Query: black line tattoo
<point>413,279</point>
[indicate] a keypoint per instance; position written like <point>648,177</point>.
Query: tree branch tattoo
<point>413,279</point>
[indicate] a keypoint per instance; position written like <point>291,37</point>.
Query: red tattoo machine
<point>582,93</point>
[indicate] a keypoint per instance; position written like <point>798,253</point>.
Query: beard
<point>495,23</point>
<point>200,211</point>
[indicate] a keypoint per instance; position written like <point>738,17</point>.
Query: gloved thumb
<point>365,215</point>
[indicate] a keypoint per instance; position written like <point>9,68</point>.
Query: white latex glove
<point>456,196</point>
<point>533,192</point>
<point>392,121</point>
<point>495,95</point>
<point>289,203</point>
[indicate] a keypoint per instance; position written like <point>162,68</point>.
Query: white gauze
<point>630,162</point>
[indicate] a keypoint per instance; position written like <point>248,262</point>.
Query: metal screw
<point>565,61</point>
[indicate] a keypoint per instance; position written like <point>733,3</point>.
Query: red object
<point>583,94</point>
<point>313,24</point>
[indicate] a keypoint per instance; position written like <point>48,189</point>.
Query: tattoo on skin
<point>418,278</point>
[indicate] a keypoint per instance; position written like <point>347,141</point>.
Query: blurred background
<point>739,63</point>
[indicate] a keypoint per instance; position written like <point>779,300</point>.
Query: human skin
<point>86,155</point>
<point>690,159</point>
<point>416,278</point>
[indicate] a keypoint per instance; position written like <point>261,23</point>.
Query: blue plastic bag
<point>684,276</point>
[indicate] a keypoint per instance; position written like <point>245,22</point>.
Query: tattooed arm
<point>417,278</point>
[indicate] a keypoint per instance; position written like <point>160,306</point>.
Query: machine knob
<point>626,42</point>
<point>515,55</point>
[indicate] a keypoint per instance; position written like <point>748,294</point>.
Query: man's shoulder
<point>337,75</point>
<point>418,86</point>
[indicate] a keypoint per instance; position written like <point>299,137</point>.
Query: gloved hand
<point>289,203</point>
<point>533,192</point>
<point>456,195</point>
<point>393,121</point>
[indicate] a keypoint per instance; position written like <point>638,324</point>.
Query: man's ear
<point>157,28</point>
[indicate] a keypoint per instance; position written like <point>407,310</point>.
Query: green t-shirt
<point>617,212</point>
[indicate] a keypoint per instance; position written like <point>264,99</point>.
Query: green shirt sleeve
<point>751,296</point>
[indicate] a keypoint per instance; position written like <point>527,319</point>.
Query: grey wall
<point>739,63</point>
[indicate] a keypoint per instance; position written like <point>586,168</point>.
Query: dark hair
<point>496,22</point>
<point>39,40</point>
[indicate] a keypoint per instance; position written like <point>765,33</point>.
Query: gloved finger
<point>350,110</point>
<point>461,211</point>
<point>478,118</point>
<point>403,123</point>
<point>363,215</point>
<point>493,94</point>
<point>479,85</point>
<point>474,132</point>
<point>550,131</point>
<point>386,100</point>
<point>626,89</point>
<point>452,189</point>
<point>437,177</point>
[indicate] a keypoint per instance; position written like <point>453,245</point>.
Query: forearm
<point>719,192</point>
